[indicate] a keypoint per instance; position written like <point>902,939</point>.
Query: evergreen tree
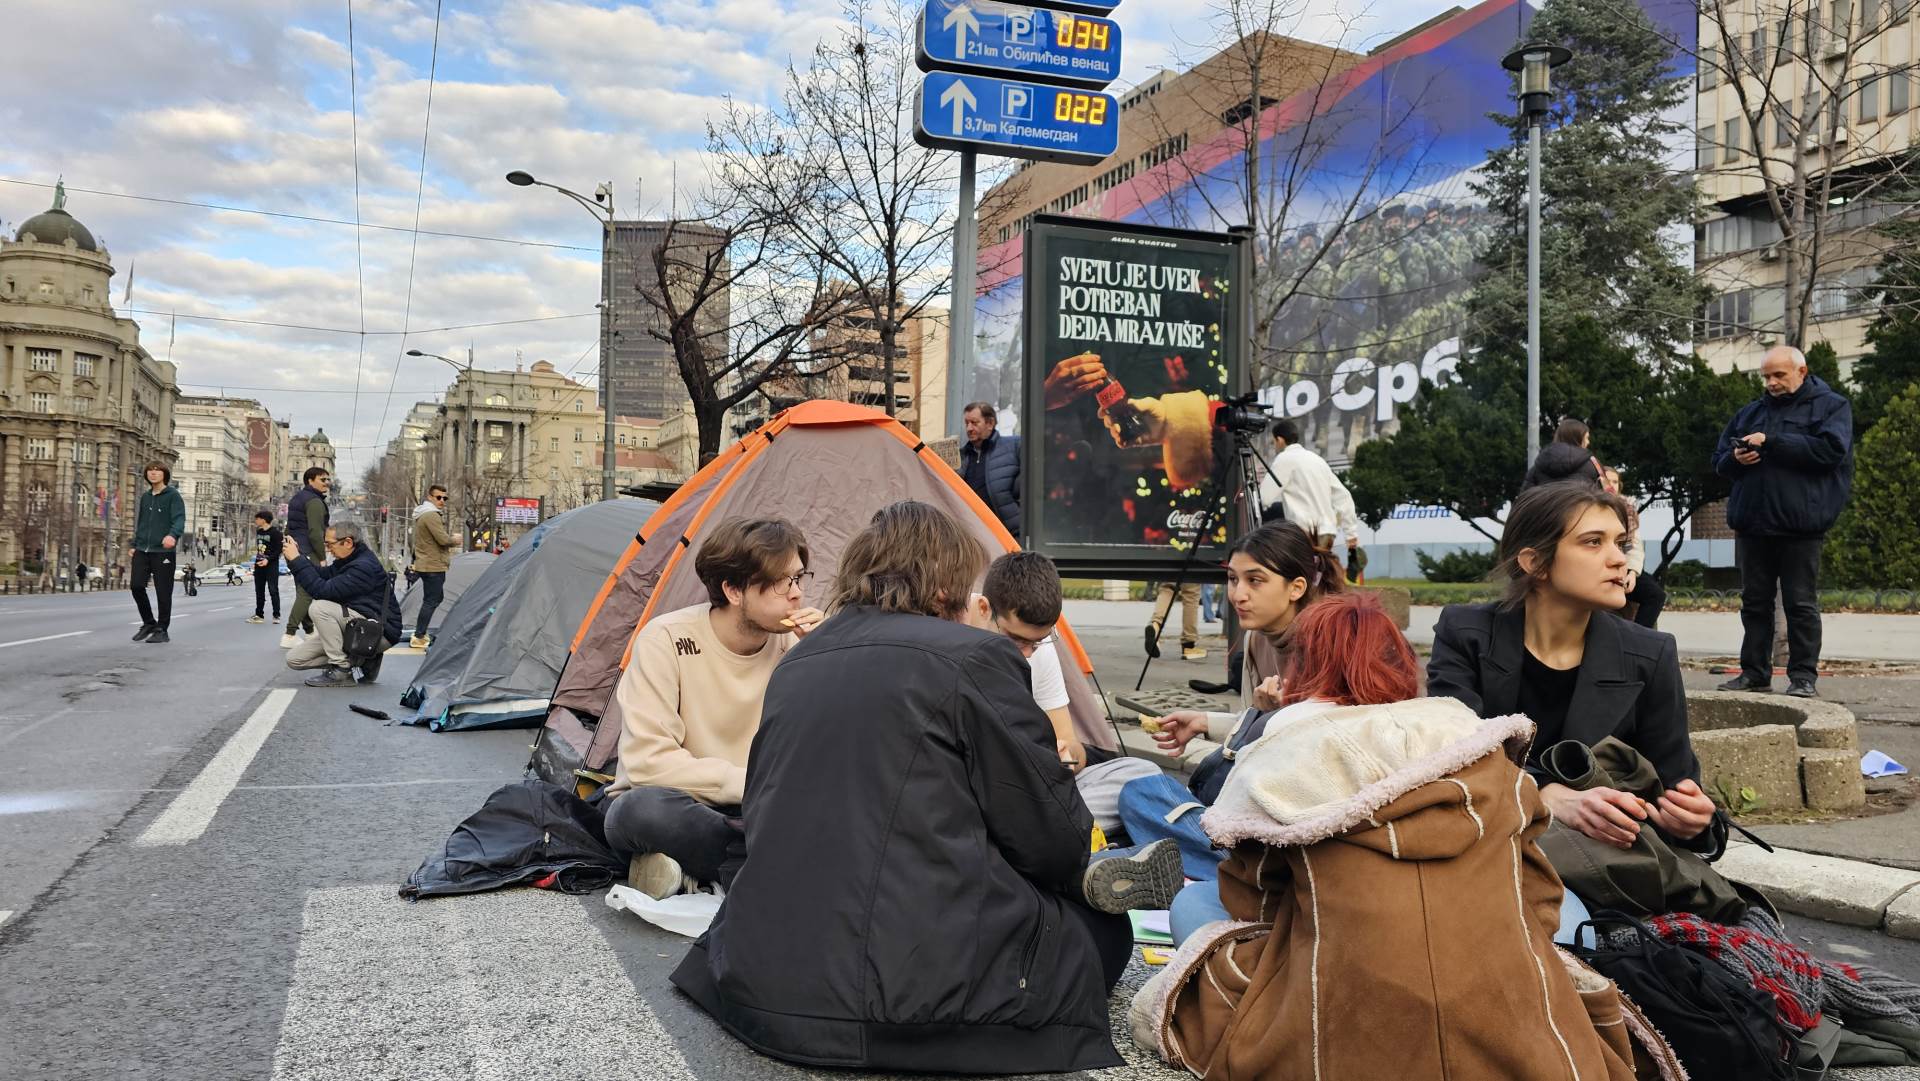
<point>1893,362</point>
<point>1874,544</point>
<point>1823,360</point>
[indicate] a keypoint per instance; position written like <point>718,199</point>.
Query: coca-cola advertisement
<point>1134,336</point>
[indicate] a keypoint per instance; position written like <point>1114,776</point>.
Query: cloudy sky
<point>252,105</point>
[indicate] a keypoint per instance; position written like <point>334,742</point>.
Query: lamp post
<point>601,207</point>
<point>1535,62</point>
<point>466,499</point>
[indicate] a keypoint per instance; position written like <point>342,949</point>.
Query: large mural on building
<point>1380,231</point>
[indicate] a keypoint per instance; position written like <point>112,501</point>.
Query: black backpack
<point>1720,1026</point>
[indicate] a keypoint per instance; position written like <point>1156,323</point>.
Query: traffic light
<point>216,523</point>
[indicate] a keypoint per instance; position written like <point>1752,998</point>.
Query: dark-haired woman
<point>1554,651</point>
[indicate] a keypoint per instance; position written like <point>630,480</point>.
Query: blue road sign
<point>1016,119</point>
<point>1024,42</point>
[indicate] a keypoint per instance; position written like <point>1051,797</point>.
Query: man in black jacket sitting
<point>354,584</point>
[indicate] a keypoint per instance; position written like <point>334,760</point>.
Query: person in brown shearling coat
<point>1392,915</point>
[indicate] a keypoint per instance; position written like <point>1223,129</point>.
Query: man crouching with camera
<point>351,586</point>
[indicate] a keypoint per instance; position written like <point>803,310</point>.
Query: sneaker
<point>288,641</point>
<point>370,669</point>
<point>659,876</point>
<point>1742,683</point>
<point>159,638</point>
<point>332,677</point>
<point>419,641</point>
<point>1207,686</point>
<point>1799,688</point>
<point>256,619</point>
<point>1153,640</point>
<point>1192,653</point>
<point>1147,879</point>
<point>145,629</point>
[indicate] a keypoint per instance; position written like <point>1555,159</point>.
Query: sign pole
<point>966,237</point>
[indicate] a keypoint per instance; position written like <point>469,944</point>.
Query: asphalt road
<point>200,861</point>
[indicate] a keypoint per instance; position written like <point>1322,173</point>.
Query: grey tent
<point>466,569</point>
<point>499,654</point>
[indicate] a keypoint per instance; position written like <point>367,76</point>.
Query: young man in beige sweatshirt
<point>689,705</point>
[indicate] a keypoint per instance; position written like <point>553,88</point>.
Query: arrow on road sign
<point>960,20</point>
<point>961,99</point>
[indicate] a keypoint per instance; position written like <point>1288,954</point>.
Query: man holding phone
<point>1790,458</point>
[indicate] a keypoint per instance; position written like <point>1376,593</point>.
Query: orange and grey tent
<point>826,467</point>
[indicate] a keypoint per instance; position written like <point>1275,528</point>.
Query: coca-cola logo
<point>1186,521</point>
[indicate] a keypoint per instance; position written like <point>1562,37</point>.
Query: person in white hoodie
<point>1304,486</point>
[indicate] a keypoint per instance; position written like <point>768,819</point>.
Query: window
<point>39,495</point>
<point>83,453</point>
<point>1709,68</point>
<point>40,401</point>
<point>1703,152</point>
<point>83,405</point>
<point>553,444</point>
<point>1899,85</point>
<point>1839,23</point>
<point>494,457</point>
<point>579,406</point>
<point>202,489</point>
<point>43,360</point>
<point>1868,93</point>
<point>203,465</point>
<point>203,441</point>
<point>40,450</point>
<point>1844,293</point>
<point>1730,136</point>
<point>496,399</point>
<point>1757,51</point>
<point>576,458</point>
<point>46,288</point>
<point>1869,15</point>
<point>577,437</point>
<point>1727,315</point>
<point>83,364</point>
<point>179,440</point>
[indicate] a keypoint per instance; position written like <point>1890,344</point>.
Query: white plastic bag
<point>686,914</point>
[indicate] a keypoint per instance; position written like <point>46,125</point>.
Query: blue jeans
<point>1199,904</point>
<point>1210,603</point>
<point>1145,803</point>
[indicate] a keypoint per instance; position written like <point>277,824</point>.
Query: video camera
<point>1242,414</point>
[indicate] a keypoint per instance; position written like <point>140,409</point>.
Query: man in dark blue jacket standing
<point>1790,458</point>
<point>354,584</point>
<point>990,463</point>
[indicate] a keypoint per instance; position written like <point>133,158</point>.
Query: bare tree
<point>1797,148</point>
<point>1327,234</point>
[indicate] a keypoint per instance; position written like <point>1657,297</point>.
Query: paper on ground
<point>687,914</point>
<point>1877,764</point>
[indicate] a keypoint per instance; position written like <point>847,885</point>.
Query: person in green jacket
<point>159,523</point>
<point>307,528</point>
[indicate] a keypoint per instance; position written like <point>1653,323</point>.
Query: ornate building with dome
<point>82,405</point>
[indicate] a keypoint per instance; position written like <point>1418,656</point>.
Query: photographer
<point>1790,458</point>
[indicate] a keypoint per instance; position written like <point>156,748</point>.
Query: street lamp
<point>466,499</point>
<point>1535,62</point>
<point>601,207</point>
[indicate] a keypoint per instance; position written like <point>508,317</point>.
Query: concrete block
<point>1831,733</point>
<point>1831,779</point>
<point>1903,915</point>
<point>1398,602</point>
<point>1825,888</point>
<point>1763,758</point>
<point>1712,711</point>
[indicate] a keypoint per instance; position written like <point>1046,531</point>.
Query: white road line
<point>516,977</point>
<point>25,728</point>
<point>43,638</point>
<point>5,914</point>
<point>228,608</point>
<point>187,817</point>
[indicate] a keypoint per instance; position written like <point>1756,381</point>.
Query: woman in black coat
<point>911,896</point>
<point>1554,650</point>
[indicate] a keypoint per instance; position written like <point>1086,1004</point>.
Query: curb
<point>1827,888</point>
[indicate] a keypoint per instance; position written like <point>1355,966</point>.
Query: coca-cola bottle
<point>1115,406</point>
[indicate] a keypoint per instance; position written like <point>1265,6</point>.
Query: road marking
<point>5,914</point>
<point>25,728</point>
<point>516,977</point>
<point>228,608</point>
<point>43,638</point>
<point>187,817</point>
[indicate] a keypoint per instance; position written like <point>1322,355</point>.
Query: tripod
<point>1249,496</point>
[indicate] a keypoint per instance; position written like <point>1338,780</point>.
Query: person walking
<point>307,529</point>
<point>159,522</point>
<point>433,550</point>
<point>1789,455</point>
<point>990,464</point>
<point>267,540</point>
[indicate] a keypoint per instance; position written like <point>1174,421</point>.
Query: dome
<point>320,436</point>
<point>57,227</point>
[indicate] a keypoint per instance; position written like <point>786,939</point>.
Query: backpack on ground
<point>1722,1028</point>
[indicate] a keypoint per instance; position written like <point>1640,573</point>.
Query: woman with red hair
<point>1382,862</point>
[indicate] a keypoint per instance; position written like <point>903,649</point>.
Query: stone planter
<point>1794,753</point>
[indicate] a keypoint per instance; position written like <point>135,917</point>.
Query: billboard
<point>1373,167</point>
<point>1137,335</point>
<point>259,445</point>
<point>516,510</point>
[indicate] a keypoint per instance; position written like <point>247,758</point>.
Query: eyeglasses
<point>799,581</point>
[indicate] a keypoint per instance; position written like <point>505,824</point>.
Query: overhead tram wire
<point>359,262</point>
<point>419,195</point>
<point>310,218</point>
<point>350,330</point>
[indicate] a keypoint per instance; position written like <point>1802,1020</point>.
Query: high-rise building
<point>644,375</point>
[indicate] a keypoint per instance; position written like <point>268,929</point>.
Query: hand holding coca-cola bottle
<point>1073,378</point>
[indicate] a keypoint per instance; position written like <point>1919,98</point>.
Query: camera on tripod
<point>1242,414</point>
